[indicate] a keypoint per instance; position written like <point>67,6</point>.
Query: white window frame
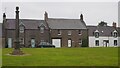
<point>59,32</point>
<point>22,41</point>
<point>21,29</point>
<point>96,44</point>
<point>79,32</point>
<point>42,28</point>
<point>69,32</point>
<point>80,42</point>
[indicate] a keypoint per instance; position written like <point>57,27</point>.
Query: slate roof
<point>55,23</point>
<point>0,30</point>
<point>28,23</point>
<point>103,30</point>
<point>118,29</point>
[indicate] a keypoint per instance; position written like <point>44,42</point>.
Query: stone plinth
<point>17,52</point>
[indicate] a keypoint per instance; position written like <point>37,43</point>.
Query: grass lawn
<point>62,57</point>
<point>0,57</point>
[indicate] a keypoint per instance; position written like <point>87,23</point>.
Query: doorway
<point>69,42</point>
<point>32,43</point>
<point>9,42</point>
<point>105,43</point>
<point>56,42</point>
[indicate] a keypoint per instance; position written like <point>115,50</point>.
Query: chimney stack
<point>4,15</point>
<point>46,16</point>
<point>3,27</point>
<point>114,24</point>
<point>81,17</point>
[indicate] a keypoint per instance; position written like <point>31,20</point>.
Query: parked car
<point>46,45</point>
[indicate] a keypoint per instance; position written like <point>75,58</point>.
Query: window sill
<point>59,34</point>
<point>79,34</point>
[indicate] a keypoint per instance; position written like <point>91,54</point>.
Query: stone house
<point>59,32</point>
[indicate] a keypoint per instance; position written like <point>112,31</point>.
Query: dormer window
<point>96,34</point>
<point>69,32</point>
<point>42,29</point>
<point>115,33</point>
<point>79,32</point>
<point>21,29</point>
<point>59,32</point>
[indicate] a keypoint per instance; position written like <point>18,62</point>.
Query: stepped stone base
<point>17,52</point>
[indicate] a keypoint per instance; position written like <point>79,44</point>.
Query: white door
<point>69,43</point>
<point>56,42</point>
<point>104,44</point>
<point>33,43</point>
<point>9,42</point>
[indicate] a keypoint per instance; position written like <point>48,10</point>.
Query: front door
<point>9,42</point>
<point>105,43</point>
<point>69,43</point>
<point>33,43</point>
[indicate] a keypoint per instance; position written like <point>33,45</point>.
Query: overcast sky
<point>93,12</point>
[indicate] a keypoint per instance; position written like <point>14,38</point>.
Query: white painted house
<point>103,36</point>
<point>118,36</point>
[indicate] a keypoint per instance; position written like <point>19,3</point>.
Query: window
<point>97,34</point>
<point>21,40</point>
<point>69,32</point>
<point>42,29</point>
<point>115,42</point>
<point>79,32</point>
<point>59,32</point>
<point>80,42</point>
<point>114,34</point>
<point>42,40</point>
<point>97,42</point>
<point>21,29</point>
